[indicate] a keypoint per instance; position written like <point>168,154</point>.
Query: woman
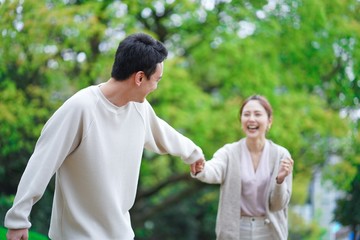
<point>256,179</point>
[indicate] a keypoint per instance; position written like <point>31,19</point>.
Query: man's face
<point>150,85</point>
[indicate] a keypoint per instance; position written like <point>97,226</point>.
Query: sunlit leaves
<point>302,55</point>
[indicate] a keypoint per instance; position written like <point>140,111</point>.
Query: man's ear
<point>139,77</point>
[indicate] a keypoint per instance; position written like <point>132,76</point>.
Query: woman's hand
<point>286,168</point>
<point>17,234</point>
<point>197,166</point>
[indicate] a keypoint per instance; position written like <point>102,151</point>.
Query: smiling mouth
<point>252,128</point>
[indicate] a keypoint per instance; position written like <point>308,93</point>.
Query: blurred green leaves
<point>302,55</point>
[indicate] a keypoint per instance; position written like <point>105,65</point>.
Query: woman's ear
<point>270,123</point>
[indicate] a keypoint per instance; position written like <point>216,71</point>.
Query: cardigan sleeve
<point>162,138</point>
<point>281,193</point>
<point>214,171</point>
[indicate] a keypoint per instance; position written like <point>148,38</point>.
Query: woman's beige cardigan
<point>224,169</point>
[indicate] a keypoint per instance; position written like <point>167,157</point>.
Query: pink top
<point>254,183</point>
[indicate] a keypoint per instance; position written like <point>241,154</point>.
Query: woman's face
<point>254,120</point>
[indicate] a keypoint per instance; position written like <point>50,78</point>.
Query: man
<point>94,143</point>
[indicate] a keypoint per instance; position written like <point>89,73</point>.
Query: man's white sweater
<point>95,149</point>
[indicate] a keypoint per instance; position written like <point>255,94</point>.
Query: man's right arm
<point>60,136</point>
<point>17,234</point>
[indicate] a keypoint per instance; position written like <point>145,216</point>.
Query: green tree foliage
<point>347,210</point>
<point>303,231</point>
<point>302,55</point>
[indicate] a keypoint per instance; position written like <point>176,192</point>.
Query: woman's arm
<point>280,194</point>
<point>213,171</point>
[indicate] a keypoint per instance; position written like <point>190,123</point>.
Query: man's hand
<point>197,166</point>
<point>286,168</point>
<point>18,234</point>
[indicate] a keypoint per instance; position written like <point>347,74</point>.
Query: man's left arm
<point>162,138</point>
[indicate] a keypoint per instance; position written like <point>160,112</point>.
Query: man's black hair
<point>137,52</point>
